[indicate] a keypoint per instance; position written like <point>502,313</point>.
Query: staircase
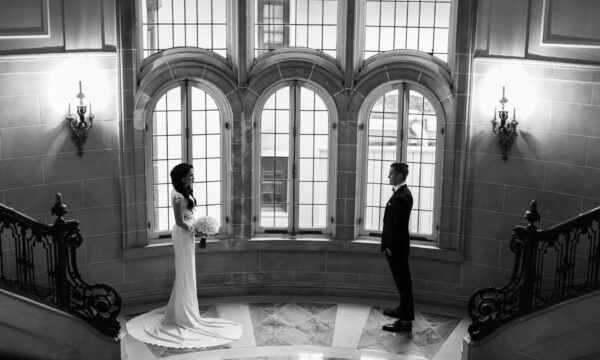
<point>550,309</point>
<point>47,310</point>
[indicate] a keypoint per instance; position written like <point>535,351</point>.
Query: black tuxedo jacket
<point>395,234</point>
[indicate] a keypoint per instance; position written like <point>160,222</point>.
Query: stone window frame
<point>432,76</point>
<point>323,73</point>
<point>363,117</point>
<point>226,116</point>
<point>345,86</point>
<point>159,72</point>
<point>332,142</point>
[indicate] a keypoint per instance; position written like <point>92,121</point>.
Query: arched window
<point>295,23</point>
<point>295,171</point>
<point>187,124</point>
<point>173,23</point>
<point>402,125</point>
<point>421,25</point>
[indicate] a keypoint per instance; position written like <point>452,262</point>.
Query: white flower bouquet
<point>205,226</point>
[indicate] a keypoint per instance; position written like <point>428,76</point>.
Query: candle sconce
<point>81,123</point>
<point>506,132</point>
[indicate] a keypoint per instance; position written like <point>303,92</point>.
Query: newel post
<point>60,251</point>
<point>529,258</point>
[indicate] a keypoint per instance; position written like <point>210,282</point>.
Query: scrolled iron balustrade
<point>59,284</point>
<point>550,266</point>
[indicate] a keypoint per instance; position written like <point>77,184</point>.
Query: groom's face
<point>395,177</point>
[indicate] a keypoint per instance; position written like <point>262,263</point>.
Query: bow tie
<point>393,190</point>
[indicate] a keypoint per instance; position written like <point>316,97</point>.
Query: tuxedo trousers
<point>401,273</point>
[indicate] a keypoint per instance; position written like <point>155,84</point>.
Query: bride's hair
<point>177,173</point>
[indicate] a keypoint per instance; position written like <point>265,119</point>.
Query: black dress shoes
<point>399,326</point>
<point>395,313</point>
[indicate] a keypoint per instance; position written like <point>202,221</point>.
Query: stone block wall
<point>553,159</point>
<point>39,159</point>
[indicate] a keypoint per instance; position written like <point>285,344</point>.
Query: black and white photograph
<point>299,179</point>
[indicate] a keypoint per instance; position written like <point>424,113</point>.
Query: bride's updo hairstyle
<point>177,173</point>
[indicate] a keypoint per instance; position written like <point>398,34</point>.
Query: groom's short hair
<point>400,168</point>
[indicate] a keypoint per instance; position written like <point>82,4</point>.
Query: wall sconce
<point>506,133</point>
<point>81,124</point>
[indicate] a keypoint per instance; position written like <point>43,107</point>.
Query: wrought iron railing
<point>551,266</point>
<point>40,261</point>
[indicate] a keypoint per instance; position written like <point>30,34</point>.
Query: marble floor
<point>314,328</point>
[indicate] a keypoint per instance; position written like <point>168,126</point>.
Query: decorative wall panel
<point>24,19</point>
<point>49,26</point>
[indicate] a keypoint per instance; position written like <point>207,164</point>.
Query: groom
<point>395,243</point>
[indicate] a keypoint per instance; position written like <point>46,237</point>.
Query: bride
<point>179,324</point>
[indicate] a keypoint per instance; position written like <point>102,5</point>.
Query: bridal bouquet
<point>205,226</point>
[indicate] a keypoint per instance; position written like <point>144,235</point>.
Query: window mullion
<point>295,156</point>
<point>402,121</point>
<point>185,116</point>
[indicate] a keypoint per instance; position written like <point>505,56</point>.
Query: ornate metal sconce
<point>80,124</point>
<point>506,133</point>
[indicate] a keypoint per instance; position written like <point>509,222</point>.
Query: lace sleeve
<point>176,198</point>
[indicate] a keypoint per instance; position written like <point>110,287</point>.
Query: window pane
<point>268,121</point>
<point>165,36</point>
<point>213,122</point>
<point>307,119</point>
<point>161,172</point>
<point>320,193</point>
<point>372,39</point>
<point>306,169</point>
<point>442,15</point>
<point>213,146</point>
<point>213,169</point>
<point>306,146</point>
<point>321,122</point>
<point>387,13</point>
<point>427,14</point>
<point>426,40</point>
<point>282,145</point>
<point>159,147</point>
<point>305,216</point>
<point>174,123</point>
<point>213,193</point>
<point>198,122</point>
<point>321,146</point>
<point>373,13</point>
<point>178,35</point>
<point>199,146</point>
<point>191,36</point>
<point>174,99</point>
<point>319,216</point>
<point>174,147</point>
<point>425,222</point>
<point>281,215</point>
<point>330,12</point>
<point>200,187</point>
<point>386,39</point>
<point>159,123</point>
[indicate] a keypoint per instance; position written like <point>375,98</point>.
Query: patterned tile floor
<point>313,329</point>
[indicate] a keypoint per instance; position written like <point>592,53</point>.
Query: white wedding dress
<point>179,324</point>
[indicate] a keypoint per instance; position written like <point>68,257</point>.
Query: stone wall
<point>39,159</point>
